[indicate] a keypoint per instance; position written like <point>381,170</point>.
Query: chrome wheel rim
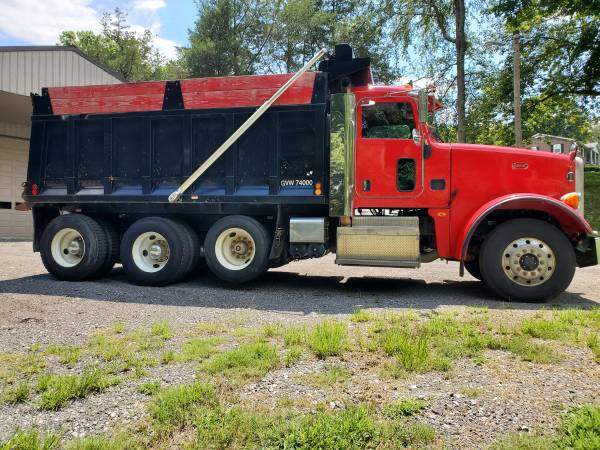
<point>235,249</point>
<point>67,247</point>
<point>150,251</point>
<point>528,261</point>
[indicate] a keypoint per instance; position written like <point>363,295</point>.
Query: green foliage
<point>16,394</point>
<point>292,355</point>
<point>56,390</point>
<point>544,328</point>
<point>403,408</point>
<point>593,343</point>
<point>352,428</point>
<point>524,348</point>
<point>581,428</point>
<point>592,198</point>
<point>246,361</point>
<point>121,441</point>
<point>197,349</point>
<point>294,336</point>
<point>66,354</point>
<point>328,339</point>
<point>31,440</point>
<point>360,315</point>
<point>149,387</point>
<point>412,435</point>
<point>162,330</point>
<point>522,441</point>
<point>332,375</point>
<point>175,407</point>
<point>117,47</point>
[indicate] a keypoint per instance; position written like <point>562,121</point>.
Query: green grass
<point>332,375</point>
<point>67,354</point>
<point>31,440</point>
<point>162,330</point>
<point>403,408</point>
<point>361,315</point>
<point>245,362</point>
<point>197,349</point>
<point>328,339</point>
<point>16,394</point>
<point>581,428</point>
<point>353,428</point>
<point>592,199</point>
<point>56,390</point>
<point>411,435</point>
<point>524,348</point>
<point>472,392</point>
<point>545,328</point>
<point>175,407</point>
<point>210,328</point>
<point>294,336</point>
<point>149,387</point>
<point>121,441</point>
<point>292,355</point>
<point>593,342</point>
<point>522,441</point>
<point>16,365</point>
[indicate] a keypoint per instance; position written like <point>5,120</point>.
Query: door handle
<point>366,185</point>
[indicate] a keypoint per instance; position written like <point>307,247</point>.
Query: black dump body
<point>143,157</point>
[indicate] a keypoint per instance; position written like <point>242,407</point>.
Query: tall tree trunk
<point>516,48</point>
<point>461,47</point>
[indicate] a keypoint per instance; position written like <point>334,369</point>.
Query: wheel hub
<point>528,261</point>
<point>155,251</point>
<point>150,252</point>
<point>235,248</point>
<point>74,248</point>
<point>241,248</point>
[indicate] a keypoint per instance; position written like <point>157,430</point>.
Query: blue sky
<point>39,22</point>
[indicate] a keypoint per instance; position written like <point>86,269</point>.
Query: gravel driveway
<point>35,309</point>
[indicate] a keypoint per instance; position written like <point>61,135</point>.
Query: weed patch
<point>67,354</point>
<point>328,339</point>
<point>333,375</point>
<point>31,440</point>
<point>17,394</point>
<point>149,387</point>
<point>197,349</point>
<point>246,361</point>
<point>162,330</point>
<point>403,408</point>
<point>56,390</point>
<point>175,407</point>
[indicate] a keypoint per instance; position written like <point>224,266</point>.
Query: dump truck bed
<point>137,142</point>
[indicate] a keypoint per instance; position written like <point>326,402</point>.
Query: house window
<point>557,148</point>
<point>534,147</point>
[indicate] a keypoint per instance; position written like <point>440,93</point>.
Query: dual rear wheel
<point>154,251</point>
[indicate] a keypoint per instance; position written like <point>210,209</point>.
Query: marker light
<point>34,189</point>
<point>318,190</point>
<point>571,199</point>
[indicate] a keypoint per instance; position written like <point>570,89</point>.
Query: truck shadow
<point>286,292</point>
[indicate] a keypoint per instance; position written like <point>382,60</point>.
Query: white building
<point>24,70</point>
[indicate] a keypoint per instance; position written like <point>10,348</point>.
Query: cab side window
<point>389,120</point>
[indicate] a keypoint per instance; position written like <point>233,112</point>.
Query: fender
<point>571,221</point>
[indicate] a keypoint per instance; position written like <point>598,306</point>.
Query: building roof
<point>542,135</point>
<point>62,48</point>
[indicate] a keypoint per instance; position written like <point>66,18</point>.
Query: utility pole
<point>516,48</point>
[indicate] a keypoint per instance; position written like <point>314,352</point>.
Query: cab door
<point>388,162</point>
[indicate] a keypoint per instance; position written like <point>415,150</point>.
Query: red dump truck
<point>246,173</point>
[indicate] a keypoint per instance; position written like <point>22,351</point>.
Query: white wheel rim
<point>528,261</point>
<point>235,249</point>
<point>150,251</point>
<point>67,247</point>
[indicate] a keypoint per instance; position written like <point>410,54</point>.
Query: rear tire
<point>74,247</point>
<point>113,242</point>
<point>155,251</point>
<point>527,260</point>
<point>236,249</point>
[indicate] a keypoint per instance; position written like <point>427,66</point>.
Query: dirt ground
<point>37,310</point>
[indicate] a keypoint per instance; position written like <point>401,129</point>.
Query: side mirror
<point>416,136</point>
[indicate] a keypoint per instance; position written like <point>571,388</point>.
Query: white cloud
<point>149,5</point>
<point>41,22</point>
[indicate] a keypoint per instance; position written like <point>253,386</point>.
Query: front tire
<point>527,260</point>
<point>236,249</point>
<point>74,247</point>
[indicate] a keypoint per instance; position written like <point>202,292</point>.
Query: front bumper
<point>589,251</point>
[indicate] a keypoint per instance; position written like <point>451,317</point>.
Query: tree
<point>433,18</point>
<point>235,37</point>
<point>118,48</point>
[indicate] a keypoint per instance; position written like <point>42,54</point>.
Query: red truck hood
<point>510,150</point>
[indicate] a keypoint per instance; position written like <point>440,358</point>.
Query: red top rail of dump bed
<point>196,93</point>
